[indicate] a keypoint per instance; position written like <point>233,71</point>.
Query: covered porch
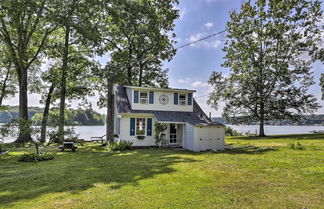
<point>174,135</point>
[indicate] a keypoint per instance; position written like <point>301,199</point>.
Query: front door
<point>173,133</point>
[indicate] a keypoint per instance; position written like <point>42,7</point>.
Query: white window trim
<point>145,119</point>
<point>147,98</point>
<point>185,100</point>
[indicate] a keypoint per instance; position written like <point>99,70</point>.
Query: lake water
<point>277,130</point>
<point>86,132</point>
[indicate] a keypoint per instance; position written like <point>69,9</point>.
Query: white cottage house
<point>137,109</point>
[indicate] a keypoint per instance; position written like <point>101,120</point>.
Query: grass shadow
<point>283,137</point>
<point>79,171</point>
<point>248,149</point>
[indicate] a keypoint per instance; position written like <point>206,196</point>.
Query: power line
<point>204,38</point>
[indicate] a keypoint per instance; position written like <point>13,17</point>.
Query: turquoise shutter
<point>189,99</point>
<point>149,127</point>
<point>135,96</point>
<point>132,127</point>
<point>151,97</point>
<point>175,98</point>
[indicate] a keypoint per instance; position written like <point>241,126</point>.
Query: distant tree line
<point>304,120</point>
<point>73,117</point>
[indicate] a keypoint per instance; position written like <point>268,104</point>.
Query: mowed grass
<point>244,177</point>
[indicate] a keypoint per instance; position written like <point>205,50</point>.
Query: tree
<point>78,23</point>
<point>269,79</point>
<point>139,39</point>
<point>24,31</point>
<point>79,80</point>
<point>318,54</point>
<point>322,84</point>
<point>7,76</point>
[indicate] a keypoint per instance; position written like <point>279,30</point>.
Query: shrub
<point>231,132</point>
<point>33,157</point>
<point>2,148</point>
<point>121,145</point>
<point>297,146</point>
<point>140,137</point>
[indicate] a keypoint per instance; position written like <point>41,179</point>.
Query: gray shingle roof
<point>194,118</point>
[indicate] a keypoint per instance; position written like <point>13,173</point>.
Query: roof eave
<point>159,89</point>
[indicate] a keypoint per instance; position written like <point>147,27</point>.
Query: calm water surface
<point>86,132</point>
<point>277,130</point>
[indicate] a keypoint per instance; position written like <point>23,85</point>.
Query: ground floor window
<point>140,126</point>
<point>117,126</point>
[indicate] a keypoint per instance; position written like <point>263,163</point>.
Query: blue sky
<point>192,65</point>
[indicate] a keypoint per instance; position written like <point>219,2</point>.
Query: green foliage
<point>33,157</point>
<point>159,128</point>
<point>296,146</point>
<point>322,84</point>
<point>268,77</point>
<point>72,117</point>
<point>8,79</point>
<point>140,137</point>
<point>138,39</point>
<point>2,147</point>
<point>121,145</point>
<point>231,132</point>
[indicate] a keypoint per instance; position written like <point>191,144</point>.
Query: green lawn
<point>245,177</point>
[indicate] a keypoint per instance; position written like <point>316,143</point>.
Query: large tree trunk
<point>4,84</point>
<point>129,75</point>
<point>45,113</point>
<point>140,79</point>
<point>261,128</point>
<point>63,84</point>
<point>24,123</point>
<point>110,113</point>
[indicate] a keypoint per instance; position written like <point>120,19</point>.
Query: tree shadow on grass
<point>76,172</point>
<point>290,136</point>
<point>248,149</point>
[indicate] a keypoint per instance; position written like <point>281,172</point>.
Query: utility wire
<point>204,38</point>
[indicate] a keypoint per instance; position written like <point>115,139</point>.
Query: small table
<point>68,145</point>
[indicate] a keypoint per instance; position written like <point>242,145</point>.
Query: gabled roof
<point>123,106</point>
<point>159,89</point>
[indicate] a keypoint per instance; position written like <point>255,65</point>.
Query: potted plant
<point>140,137</point>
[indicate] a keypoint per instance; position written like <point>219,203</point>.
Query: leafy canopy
<point>269,78</point>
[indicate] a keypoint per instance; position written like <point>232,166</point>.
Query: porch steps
<point>175,147</point>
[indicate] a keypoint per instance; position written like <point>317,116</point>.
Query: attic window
<point>143,97</point>
<point>182,99</point>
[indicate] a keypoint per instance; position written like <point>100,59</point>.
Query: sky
<point>192,66</point>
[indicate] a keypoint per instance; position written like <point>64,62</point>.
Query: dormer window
<point>182,99</point>
<point>143,97</point>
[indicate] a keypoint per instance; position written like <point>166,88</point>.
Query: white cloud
<point>195,37</point>
<point>214,44</point>
<point>209,24</point>
<point>182,13</point>
<point>184,81</point>
<point>198,84</point>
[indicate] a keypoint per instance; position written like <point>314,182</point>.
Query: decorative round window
<point>164,99</point>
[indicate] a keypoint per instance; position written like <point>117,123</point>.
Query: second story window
<point>182,99</point>
<point>143,97</point>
